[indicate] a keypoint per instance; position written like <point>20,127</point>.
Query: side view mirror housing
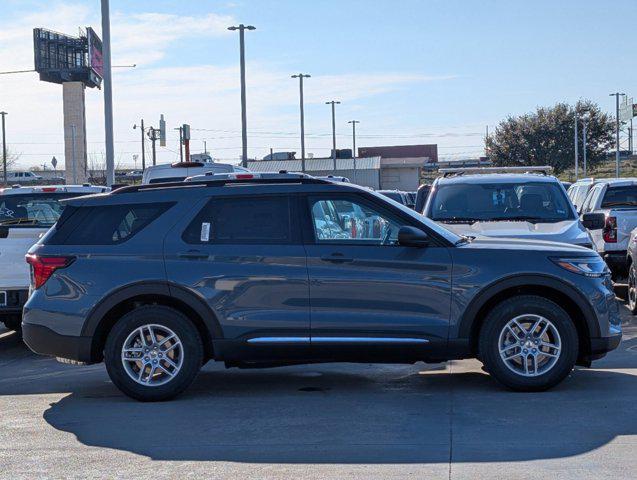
<point>412,237</point>
<point>594,221</point>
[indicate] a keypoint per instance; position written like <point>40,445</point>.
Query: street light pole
<point>354,122</point>
<point>108,94</point>
<point>301,76</point>
<point>143,144</point>
<point>333,103</point>
<point>576,148</point>
<point>181,143</point>
<point>616,95</point>
<point>584,125</point>
<point>244,127</point>
<point>4,148</point>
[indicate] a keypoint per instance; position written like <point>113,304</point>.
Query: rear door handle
<point>336,258</point>
<point>193,254</point>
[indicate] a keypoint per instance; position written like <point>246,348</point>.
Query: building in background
<point>401,166</point>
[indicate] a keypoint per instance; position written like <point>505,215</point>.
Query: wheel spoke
<point>165,370</point>
<point>153,339</point>
<point>509,347</point>
<point>165,339</point>
<point>170,362</point>
<point>536,324</point>
<point>514,334</point>
<point>150,375</point>
<point>547,354</point>
<point>168,349</point>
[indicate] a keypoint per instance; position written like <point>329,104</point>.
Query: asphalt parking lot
<point>326,421</point>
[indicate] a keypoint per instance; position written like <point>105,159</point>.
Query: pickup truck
<point>616,199</point>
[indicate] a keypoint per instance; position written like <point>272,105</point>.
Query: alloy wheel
<point>529,345</point>
<point>152,355</point>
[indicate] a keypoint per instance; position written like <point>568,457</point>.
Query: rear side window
<point>243,220</point>
<point>620,197</point>
<point>105,225</point>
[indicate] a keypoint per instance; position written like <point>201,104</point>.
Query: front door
<point>364,287</point>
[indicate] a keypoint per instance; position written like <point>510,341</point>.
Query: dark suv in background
<point>277,269</point>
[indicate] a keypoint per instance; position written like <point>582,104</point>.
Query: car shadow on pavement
<point>338,413</point>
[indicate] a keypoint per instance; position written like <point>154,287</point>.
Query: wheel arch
<point>105,314</point>
<point>555,289</point>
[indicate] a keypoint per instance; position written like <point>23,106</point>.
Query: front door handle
<point>193,254</point>
<point>336,258</point>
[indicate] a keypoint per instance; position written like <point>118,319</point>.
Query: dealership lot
<point>323,421</point>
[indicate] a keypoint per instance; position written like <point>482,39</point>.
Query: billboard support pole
<point>108,94</point>
<point>4,149</point>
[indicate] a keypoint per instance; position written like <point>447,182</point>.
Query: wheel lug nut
<point>146,358</point>
<point>534,350</point>
<point>525,351</point>
<point>154,362</point>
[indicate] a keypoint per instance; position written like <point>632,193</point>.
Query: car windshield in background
<point>511,201</point>
<point>620,197</point>
<point>39,209</point>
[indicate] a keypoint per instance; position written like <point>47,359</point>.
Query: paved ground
<point>317,422</point>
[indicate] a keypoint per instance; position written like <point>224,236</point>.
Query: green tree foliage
<point>546,137</point>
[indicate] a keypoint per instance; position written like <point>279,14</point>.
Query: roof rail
<point>306,180</point>
<point>449,172</point>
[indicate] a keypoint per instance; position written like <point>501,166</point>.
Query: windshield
<point>38,209</point>
<point>499,201</point>
<point>439,229</point>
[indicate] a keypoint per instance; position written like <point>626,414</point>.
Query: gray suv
<point>261,270</point>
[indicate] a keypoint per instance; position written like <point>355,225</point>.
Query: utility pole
<point>333,103</point>
<point>244,127</point>
<point>486,148</point>
<point>584,125</point>
<point>181,143</point>
<point>4,148</point>
<point>576,148</point>
<point>143,144</point>
<point>616,95</point>
<point>301,76</point>
<point>354,122</point>
<point>153,134</point>
<point>108,94</point>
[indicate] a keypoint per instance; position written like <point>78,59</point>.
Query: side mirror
<point>594,221</point>
<point>412,237</point>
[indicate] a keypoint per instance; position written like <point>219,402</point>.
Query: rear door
<point>364,287</point>
<point>243,255</point>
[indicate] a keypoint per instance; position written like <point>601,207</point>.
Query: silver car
<point>529,205</point>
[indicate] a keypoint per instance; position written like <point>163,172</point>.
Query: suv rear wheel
<point>632,289</point>
<point>528,343</point>
<point>153,353</point>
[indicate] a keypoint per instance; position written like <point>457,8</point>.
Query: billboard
<point>95,60</point>
<point>60,58</point>
<point>626,110</point>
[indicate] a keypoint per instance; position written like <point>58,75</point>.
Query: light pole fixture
<point>616,95</point>
<point>333,103</point>
<point>301,76</point>
<point>244,128</point>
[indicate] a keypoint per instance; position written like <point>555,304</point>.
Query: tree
<point>12,159</point>
<point>546,137</point>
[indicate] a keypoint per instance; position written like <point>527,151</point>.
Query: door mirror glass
<point>594,221</point>
<point>412,237</point>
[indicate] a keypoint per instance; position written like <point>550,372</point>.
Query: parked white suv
<point>616,199</point>
<point>26,213</point>
<point>177,172</point>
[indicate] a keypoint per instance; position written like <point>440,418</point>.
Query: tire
<point>632,290</point>
<point>186,353</point>
<point>13,322</point>
<point>518,371</point>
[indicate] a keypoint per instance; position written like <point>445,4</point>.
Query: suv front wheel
<point>528,343</point>
<point>153,353</point>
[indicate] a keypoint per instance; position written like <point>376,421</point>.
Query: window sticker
<point>205,232</point>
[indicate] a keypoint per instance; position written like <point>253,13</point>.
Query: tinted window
<point>167,179</point>
<point>38,209</point>
<point>344,221</point>
<point>396,196</point>
<point>246,220</point>
<point>105,225</point>
<point>620,197</point>
<point>535,201</point>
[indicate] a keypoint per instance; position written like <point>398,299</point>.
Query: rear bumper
<point>15,301</point>
<point>44,341</point>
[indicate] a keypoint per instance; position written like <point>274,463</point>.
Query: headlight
<point>588,266</point>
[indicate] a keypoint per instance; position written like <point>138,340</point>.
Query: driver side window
<point>345,221</point>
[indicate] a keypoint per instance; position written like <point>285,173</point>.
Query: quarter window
<point>242,220</point>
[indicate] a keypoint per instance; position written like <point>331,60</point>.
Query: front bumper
<point>44,341</point>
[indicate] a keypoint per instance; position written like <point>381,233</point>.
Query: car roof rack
<point>235,178</point>
<point>451,172</point>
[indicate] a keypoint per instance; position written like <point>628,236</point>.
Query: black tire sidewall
<point>506,311</point>
<point>159,315</point>
<point>631,273</point>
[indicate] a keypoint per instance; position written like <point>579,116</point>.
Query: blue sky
<point>424,71</point>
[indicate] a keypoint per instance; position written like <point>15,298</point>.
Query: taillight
<point>610,230</point>
<point>43,267</point>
